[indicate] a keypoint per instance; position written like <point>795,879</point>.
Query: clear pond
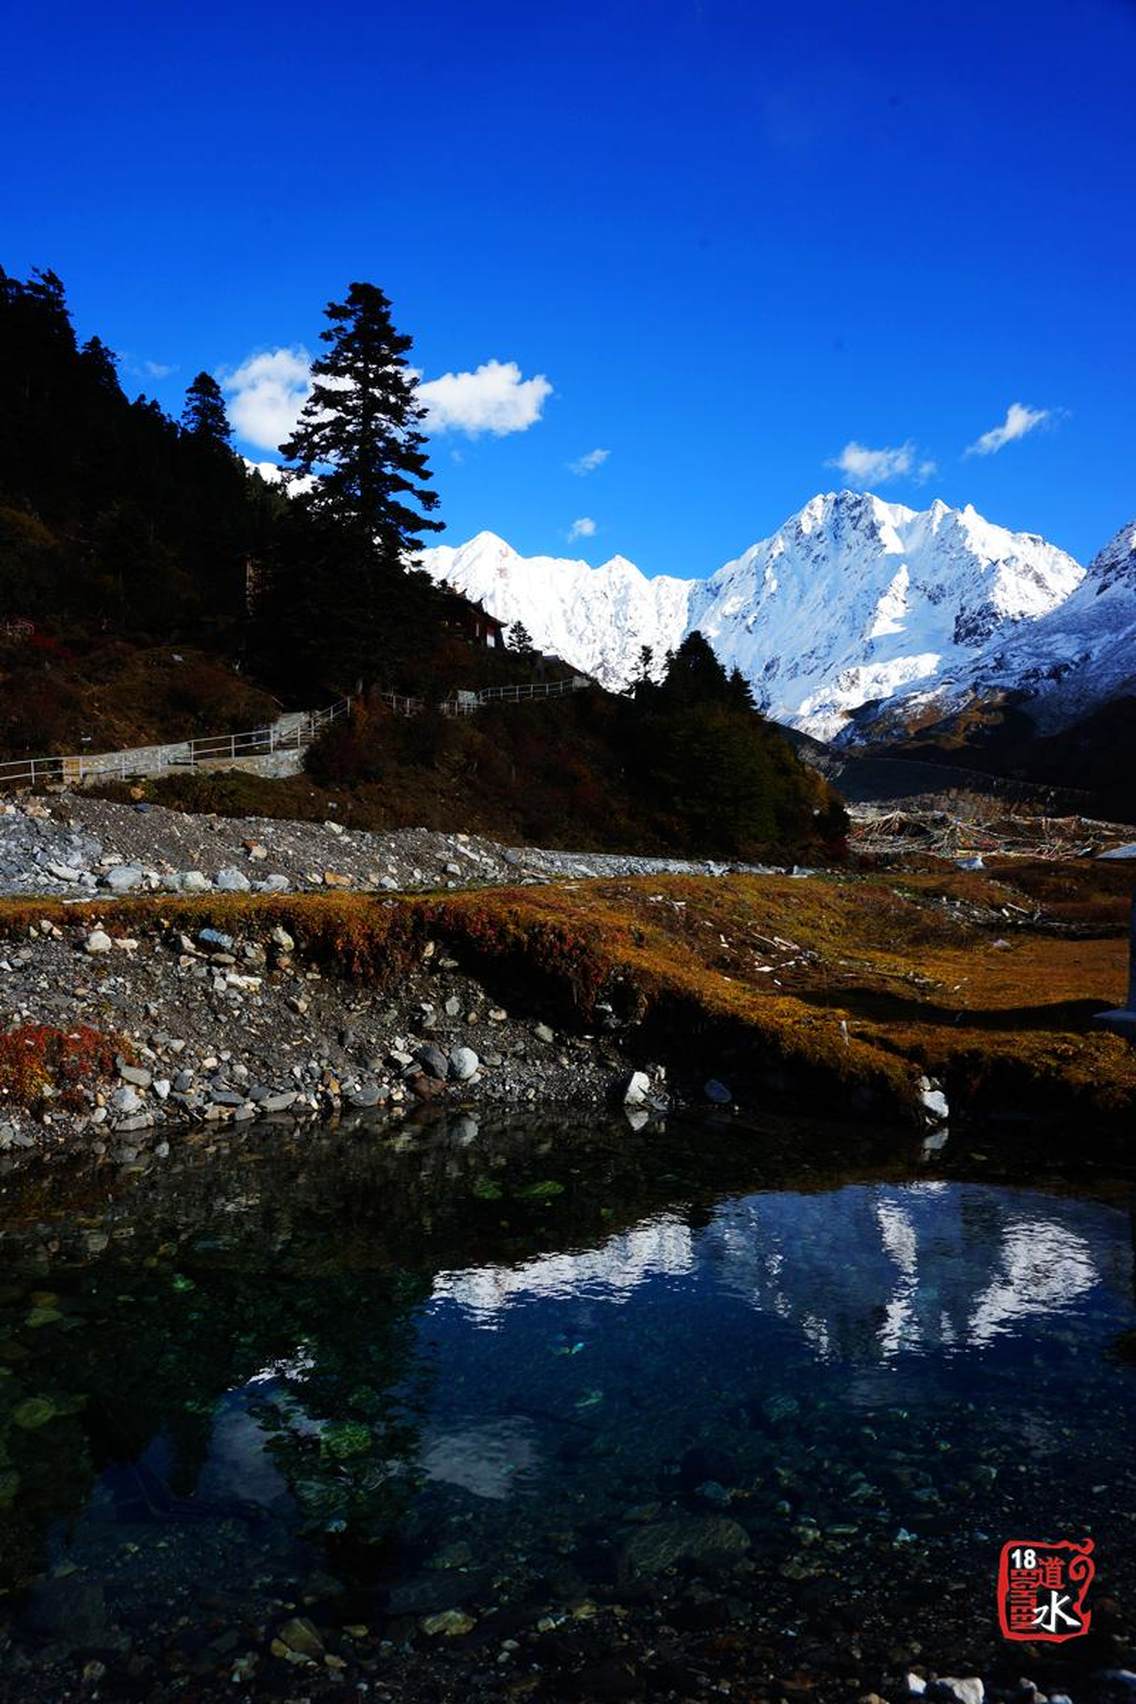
<point>550,1411</point>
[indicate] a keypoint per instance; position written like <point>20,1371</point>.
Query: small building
<point>464,616</point>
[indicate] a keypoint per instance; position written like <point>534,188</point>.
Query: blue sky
<point>733,238</point>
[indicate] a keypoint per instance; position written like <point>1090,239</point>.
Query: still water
<point>574,1411</point>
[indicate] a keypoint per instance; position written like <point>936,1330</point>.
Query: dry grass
<point>836,990</point>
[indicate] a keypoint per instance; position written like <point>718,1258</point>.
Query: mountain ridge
<point>1076,658</point>
<point>851,600</point>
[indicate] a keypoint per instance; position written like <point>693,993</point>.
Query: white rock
<point>123,877</point>
<point>967,1691</point>
<point>192,881</point>
<point>934,1101</point>
<point>63,872</point>
<point>99,942</point>
<point>637,1090</point>
<point>232,880</point>
<point>463,1063</point>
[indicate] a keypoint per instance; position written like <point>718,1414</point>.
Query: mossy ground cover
<point>841,987</point>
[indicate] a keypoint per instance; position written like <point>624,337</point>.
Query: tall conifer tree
<point>353,609</point>
<point>203,416</point>
<point>359,437</point>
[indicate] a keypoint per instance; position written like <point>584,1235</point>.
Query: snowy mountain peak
<point>851,600</point>
<point>1116,562</point>
<point>1061,666</point>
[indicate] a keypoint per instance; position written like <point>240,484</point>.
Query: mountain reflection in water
<point>862,1272</point>
<point>341,1358</point>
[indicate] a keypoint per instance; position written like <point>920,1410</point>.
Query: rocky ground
<point>160,938</point>
<point>219,1029</point>
<point>73,844</point>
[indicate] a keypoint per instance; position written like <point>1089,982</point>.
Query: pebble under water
<point>437,1411</point>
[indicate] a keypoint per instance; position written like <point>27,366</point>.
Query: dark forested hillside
<point>685,765</point>
<point>124,533</point>
<point>152,588</point>
<point>112,517</point>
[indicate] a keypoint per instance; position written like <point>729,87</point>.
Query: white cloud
<point>266,394</point>
<point>863,466</point>
<point>582,528</point>
<point>1019,420</point>
<point>268,390</point>
<point>589,463</point>
<point>494,398</point>
<point>158,369</point>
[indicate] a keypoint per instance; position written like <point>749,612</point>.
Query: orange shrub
<point>39,1062</point>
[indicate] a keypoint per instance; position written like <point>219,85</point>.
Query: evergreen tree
<point>100,365</point>
<point>520,640</point>
<point>358,438</point>
<point>694,675</point>
<point>739,693</point>
<point>203,416</point>
<point>642,685</point>
<point>358,441</point>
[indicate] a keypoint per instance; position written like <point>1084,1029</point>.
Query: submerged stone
<point>449,1623</point>
<point>301,1637</point>
<point>699,1539</point>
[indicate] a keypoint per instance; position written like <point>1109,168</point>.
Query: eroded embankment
<point>841,985</point>
<point>826,994</point>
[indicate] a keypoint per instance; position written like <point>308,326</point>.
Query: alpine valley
<point>857,622</point>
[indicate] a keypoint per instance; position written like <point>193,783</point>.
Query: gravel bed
<point>218,1029</point>
<point>72,844</point>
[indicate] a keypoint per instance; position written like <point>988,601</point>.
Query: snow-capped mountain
<point>851,600</point>
<point>595,618</point>
<point>1076,658</point>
